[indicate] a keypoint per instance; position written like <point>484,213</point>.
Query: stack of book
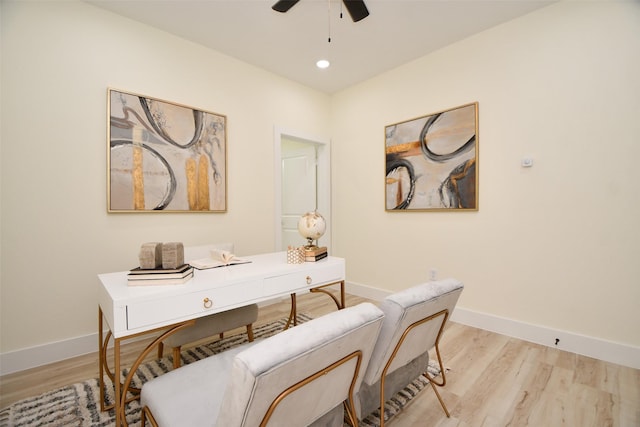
<point>160,276</point>
<point>315,253</point>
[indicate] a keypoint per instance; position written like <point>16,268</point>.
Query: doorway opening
<point>302,184</point>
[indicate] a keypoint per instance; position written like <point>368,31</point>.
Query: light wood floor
<point>492,380</point>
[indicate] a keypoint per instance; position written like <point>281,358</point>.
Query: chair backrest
<point>203,251</point>
<point>417,313</point>
<point>298,375</point>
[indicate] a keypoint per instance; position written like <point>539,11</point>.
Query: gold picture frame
<point>163,156</point>
<point>432,161</point>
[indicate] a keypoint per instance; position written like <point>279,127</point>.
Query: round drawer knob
<point>309,280</point>
<point>207,303</point>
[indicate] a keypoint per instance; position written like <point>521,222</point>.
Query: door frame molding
<point>323,179</point>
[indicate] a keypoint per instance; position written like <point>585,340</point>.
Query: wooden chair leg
<point>160,350</point>
<point>176,357</point>
<point>250,332</point>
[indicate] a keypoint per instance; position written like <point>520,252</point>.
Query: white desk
<point>130,311</point>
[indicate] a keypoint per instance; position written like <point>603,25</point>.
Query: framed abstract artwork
<point>432,161</point>
<point>164,157</point>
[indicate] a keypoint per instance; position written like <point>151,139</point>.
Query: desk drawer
<point>303,279</point>
<point>177,307</point>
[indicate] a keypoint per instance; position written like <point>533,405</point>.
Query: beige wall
<point>553,245</point>
<point>58,58</point>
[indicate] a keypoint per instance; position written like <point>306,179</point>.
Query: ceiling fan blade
<point>284,5</point>
<point>357,9</point>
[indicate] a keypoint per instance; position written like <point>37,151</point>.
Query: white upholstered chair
<point>215,324</point>
<point>414,321</point>
<point>296,378</point>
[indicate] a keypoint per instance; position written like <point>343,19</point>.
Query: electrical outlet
<point>433,274</point>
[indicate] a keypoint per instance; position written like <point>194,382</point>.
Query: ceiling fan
<point>356,8</point>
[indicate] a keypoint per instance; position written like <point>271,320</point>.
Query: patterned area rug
<point>79,404</point>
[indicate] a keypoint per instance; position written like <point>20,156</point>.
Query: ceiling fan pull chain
<point>329,20</point>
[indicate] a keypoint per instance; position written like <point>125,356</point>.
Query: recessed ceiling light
<point>323,63</point>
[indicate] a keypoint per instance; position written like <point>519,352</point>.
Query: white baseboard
<point>368,292</point>
<point>608,351</point>
<point>613,352</point>
<point>32,357</point>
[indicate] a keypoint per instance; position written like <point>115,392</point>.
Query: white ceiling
<point>289,44</point>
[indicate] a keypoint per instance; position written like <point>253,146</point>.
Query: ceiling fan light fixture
<point>322,64</point>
